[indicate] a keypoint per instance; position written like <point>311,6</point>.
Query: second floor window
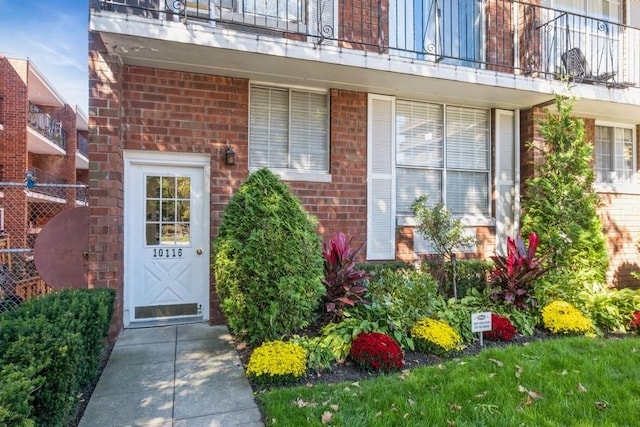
<point>615,155</point>
<point>442,152</point>
<point>289,10</point>
<point>288,129</point>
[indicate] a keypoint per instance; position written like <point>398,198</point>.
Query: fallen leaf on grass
<point>411,402</point>
<point>440,366</point>
<point>451,423</point>
<point>405,374</point>
<point>454,407</point>
<point>300,403</point>
<point>601,405</point>
<point>497,362</point>
<point>581,388</point>
<point>531,395</point>
<point>378,414</point>
<point>334,407</point>
<point>327,417</point>
<point>481,395</point>
<point>519,371</point>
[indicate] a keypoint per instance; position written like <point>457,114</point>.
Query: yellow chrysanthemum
<point>277,361</point>
<point>560,317</point>
<point>434,335</point>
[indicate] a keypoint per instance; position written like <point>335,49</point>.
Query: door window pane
<point>167,210</point>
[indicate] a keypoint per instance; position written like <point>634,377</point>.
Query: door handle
<point>199,251</point>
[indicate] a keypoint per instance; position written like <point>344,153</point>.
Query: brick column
<point>106,241</point>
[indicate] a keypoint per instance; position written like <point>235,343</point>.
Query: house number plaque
<point>167,253</point>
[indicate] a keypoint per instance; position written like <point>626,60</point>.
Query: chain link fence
<point>25,208</point>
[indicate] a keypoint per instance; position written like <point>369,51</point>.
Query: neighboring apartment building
<point>43,140</point>
<point>360,106</point>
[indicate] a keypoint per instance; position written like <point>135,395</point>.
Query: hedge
<point>50,349</point>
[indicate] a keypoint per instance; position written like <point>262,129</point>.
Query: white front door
<point>166,238</point>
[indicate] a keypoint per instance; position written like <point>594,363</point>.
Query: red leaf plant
<point>376,351</point>
<point>501,329</point>
<point>512,278</point>
<point>345,285</point>
<point>634,324</point>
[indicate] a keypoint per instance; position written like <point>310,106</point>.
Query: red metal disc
<point>59,250</point>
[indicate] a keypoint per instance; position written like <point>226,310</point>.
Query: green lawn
<point>559,382</point>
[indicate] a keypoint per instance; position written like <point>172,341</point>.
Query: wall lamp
<point>229,155</point>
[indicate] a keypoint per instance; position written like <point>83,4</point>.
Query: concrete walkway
<point>183,375</point>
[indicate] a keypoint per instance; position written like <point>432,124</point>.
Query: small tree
<point>443,232</point>
<point>559,202</point>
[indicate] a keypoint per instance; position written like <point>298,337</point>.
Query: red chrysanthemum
<point>376,351</point>
<point>634,325</point>
<point>501,329</point>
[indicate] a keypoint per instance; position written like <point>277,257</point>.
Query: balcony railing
<point>47,126</point>
<point>56,188</point>
<point>499,35</point>
<point>83,146</point>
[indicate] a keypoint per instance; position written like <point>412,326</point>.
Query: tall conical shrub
<point>559,202</point>
<point>268,263</point>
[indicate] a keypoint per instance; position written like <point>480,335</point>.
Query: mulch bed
<point>349,372</point>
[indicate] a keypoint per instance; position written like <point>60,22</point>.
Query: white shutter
<point>323,22</point>
<point>268,127</point>
<point>309,131</point>
<point>381,243</point>
<point>507,177</point>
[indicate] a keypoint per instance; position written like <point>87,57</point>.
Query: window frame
<point>291,174</point>
<point>485,218</point>
<point>618,187</point>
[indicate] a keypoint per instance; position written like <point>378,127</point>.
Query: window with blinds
<point>288,129</point>
<point>614,154</point>
<point>442,152</point>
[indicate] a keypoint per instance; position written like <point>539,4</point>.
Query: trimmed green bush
<point>560,203</point>
<point>55,341</point>
<point>268,262</point>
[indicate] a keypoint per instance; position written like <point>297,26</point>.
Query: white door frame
<point>134,158</point>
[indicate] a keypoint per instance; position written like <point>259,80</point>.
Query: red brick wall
<point>106,247</point>
<point>529,18</point>
<point>499,47</point>
<point>13,145</point>
<point>361,26</point>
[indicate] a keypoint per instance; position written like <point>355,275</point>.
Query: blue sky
<point>53,35</point>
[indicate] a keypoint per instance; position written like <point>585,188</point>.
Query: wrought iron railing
<point>501,35</point>
<point>83,145</point>
<point>47,126</point>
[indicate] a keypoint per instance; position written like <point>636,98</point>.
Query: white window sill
<point>467,221</point>
<point>631,189</point>
<point>295,175</point>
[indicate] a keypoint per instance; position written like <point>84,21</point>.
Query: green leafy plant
<point>443,232</point>
<point>277,362</point>
<point>610,309</point>
<point>374,351</point>
<point>268,262</point>
<point>560,203</point>
<point>560,317</point>
<point>345,285</point>
<point>513,277</point>
<point>398,298</point>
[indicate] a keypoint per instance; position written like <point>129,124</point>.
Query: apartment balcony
<point>50,188</point>
<point>44,134</point>
<point>82,152</point>
<point>503,53</point>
